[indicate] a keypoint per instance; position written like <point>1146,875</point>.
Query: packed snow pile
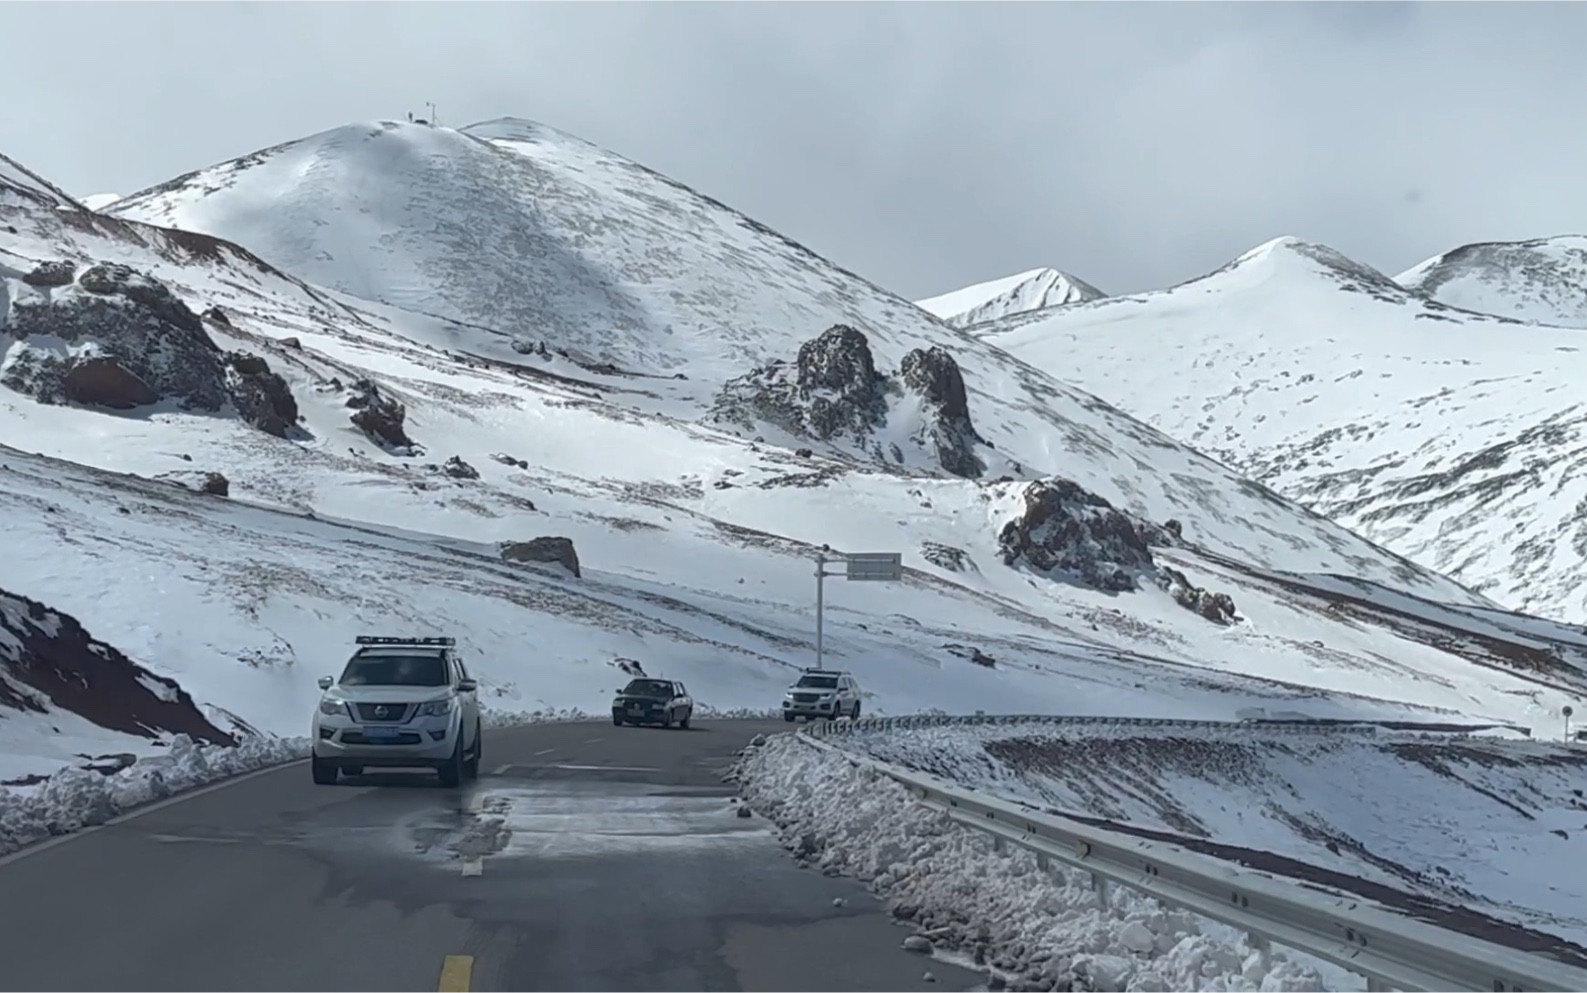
<point>1473,839</point>
<point>1034,927</point>
<point>1021,293</point>
<point>73,799</point>
<point>833,392</point>
<point>1542,281</point>
<point>1450,437</point>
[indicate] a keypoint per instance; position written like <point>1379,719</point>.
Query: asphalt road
<point>586,857</point>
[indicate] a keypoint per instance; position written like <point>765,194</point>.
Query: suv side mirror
<point>467,685</point>
<point>326,682</point>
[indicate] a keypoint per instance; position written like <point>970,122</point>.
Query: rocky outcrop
<point>58,272</point>
<point>117,339</point>
<point>458,469</point>
<point>547,549</point>
<point>50,663</point>
<point>262,397</point>
<point>934,376</point>
<point>1066,528</point>
<point>1215,607</point>
<point>833,391</point>
<point>215,484</point>
<point>379,416</point>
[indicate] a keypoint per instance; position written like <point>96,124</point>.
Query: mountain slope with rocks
<point>442,476</point>
<point>1452,437</point>
<point>1542,281</point>
<point>1020,293</point>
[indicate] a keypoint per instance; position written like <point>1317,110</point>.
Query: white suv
<point>400,702</point>
<point>822,693</point>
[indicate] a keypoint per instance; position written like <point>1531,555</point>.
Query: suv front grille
<point>806,697</point>
<point>382,713</point>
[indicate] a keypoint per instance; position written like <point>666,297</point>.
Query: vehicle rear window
<point>396,670</point>
<point>819,682</point>
<point>648,687</point>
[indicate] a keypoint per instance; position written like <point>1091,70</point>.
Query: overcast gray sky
<point>925,146</point>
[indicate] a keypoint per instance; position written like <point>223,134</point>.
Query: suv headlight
<point>435,708</point>
<point>334,708</point>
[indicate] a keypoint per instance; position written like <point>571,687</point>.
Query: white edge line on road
<point>43,846</point>
<point>545,751</point>
<point>595,741</point>
<point>500,769</point>
<point>473,867</point>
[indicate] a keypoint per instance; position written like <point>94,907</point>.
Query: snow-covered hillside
<point>1543,281</point>
<point>95,201</point>
<point>568,259</point>
<point>1017,294</point>
<point>1451,437</point>
<point>424,448</point>
<point>1477,824</point>
<point>20,185</point>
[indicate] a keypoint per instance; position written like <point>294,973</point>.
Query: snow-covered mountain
<point>1453,437</point>
<point>1016,294</point>
<point>1543,281</point>
<point>96,201</point>
<point>20,185</point>
<point>696,405</point>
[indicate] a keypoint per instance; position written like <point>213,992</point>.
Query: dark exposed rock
<point>105,383</point>
<point>215,484</point>
<point>1173,527</point>
<point>218,316</point>
<point>544,549</point>
<point>834,392</point>
<point>261,396</point>
<point>1215,607</point>
<point>945,556</point>
<point>379,416</point>
<point>803,453</point>
<point>933,374</point>
<point>831,390</point>
<point>49,661</point>
<point>57,272</point>
<point>292,343</point>
<point>458,469</point>
<point>1067,528</point>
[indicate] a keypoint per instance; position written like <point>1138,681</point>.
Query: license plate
<point>381,734</point>
<point>636,710</point>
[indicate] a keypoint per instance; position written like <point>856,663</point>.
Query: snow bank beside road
<point>73,799</point>
<point>1042,928</point>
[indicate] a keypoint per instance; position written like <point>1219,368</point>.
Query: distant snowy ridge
<point>19,185</point>
<point>98,201</point>
<point>1541,281</point>
<point>1450,436</point>
<point>1036,289</point>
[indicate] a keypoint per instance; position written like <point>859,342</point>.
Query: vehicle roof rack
<point>379,639</point>
<point>827,672</point>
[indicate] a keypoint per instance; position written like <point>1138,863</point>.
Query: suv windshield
<point>395,670</point>
<point>818,682</point>
<point>648,687</point>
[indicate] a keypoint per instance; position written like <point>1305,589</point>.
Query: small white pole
<point>821,578</point>
<point>1567,711</point>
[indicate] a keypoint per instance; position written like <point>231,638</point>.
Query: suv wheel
<point>452,771</point>
<point>855,714</point>
<point>471,767</point>
<point>684,723</point>
<point>324,772</point>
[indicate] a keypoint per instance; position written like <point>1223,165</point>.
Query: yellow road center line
<point>456,971</point>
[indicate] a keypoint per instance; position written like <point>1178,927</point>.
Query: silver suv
<point>400,702</point>
<point>822,693</point>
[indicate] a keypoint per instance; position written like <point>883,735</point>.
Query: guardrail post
<point>1375,986</point>
<point>1100,887</point>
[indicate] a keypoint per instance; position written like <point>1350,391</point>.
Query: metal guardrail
<point>1391,950</point>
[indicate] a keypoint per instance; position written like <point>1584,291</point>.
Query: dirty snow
<point>1045,927</point>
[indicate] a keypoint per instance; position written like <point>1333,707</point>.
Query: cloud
<point>923,145</point>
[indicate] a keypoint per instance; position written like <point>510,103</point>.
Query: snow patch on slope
<point>1036,289</point>
<point>1542,281</point>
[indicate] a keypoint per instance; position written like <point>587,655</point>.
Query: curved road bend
<point>586,857</point>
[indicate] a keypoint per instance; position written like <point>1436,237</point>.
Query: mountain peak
<point>19,183</point>
<point>1034,289</point>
